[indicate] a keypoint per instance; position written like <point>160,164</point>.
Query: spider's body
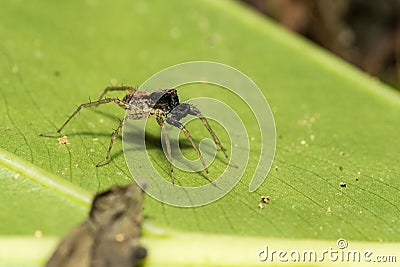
<point>143,104</point>
<point>163,104</point>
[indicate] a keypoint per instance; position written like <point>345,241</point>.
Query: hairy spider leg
<point>196,112</point>
<point>117,101</point>
<point>160,122</point>
<point>93,104</point>
<point>117,88</point>
<point>171,120</point>
<point>113,137</point>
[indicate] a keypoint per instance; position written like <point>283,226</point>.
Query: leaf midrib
<point>45,178</point>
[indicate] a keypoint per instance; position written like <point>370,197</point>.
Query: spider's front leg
<point>174,121</point>
<point>192,110</point>
<point>160,120</point>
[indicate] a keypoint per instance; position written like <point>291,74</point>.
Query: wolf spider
<point>163,104</point>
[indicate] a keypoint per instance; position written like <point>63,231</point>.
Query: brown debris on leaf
<point>328,211</point>
<point>109,236</point>
<point>265,199</point>
<point>63,140</point>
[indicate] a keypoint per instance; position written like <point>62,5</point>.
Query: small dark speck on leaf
<point>343,184</point>
<point>265,199</point>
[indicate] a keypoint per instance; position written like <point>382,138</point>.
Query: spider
<point>163,104</point>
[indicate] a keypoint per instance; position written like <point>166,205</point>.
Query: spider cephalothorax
<point>165,100</point>
<point>163,104</point>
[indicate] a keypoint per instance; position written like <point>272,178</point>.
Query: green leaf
<point>334,124</point>
<point>28,190</point>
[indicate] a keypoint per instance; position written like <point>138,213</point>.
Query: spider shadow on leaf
<point>153,142</point>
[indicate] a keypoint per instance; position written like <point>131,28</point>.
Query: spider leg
<point>160,121</point>
<point>113,137</point>
<point>196,112</point>
<point>87,105</point>
<point>179,125</point>
<point>117,88</point>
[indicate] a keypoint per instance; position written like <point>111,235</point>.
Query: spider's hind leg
<point>113,137</point>
<point>160,121</point>
<point>88,105</point>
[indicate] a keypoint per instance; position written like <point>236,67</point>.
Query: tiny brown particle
<point>343,184</point>
<point>260,206</point>
<point>276,168</point>
<point>265,199</point>
<point>341,168</point>
<point>119,238</point>
<point>63,140</point>
<point>341,153</point>
<point>328,211</point>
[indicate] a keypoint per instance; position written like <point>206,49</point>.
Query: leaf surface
<point>333,123</point>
